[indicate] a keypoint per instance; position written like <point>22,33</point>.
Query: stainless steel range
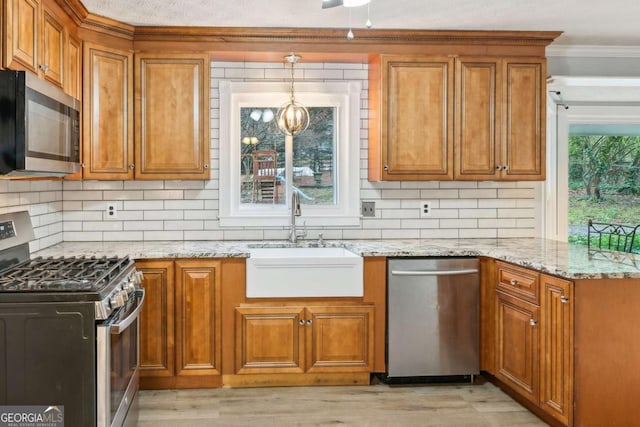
<point>68,331</point>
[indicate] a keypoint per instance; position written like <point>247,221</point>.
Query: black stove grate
<point>76,274</point>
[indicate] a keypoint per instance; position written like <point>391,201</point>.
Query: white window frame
<point>590,100</point>
<point>345,97</point>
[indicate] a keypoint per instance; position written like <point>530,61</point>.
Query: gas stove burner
<point>76,274</point>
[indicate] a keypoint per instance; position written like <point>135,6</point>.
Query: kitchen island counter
<point>548,256</point>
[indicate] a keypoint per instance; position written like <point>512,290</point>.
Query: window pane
<point>314,160</point>
<point>263,173</point>
<point>262,157</point>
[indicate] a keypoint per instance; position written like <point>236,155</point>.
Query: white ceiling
<point>584,22</point>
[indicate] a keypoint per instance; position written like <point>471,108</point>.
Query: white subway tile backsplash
<point>82,236</point>
<point>163,215</point>
<point>18,186</point>
<point>162,235</point>
<point>183,225</point>
<point>163,194</point>
<point>203,235</point>
<point>477,233</point>
<point>135,205</point>
<point>102,226</point>
<point>144,185</point>
<point>82,195</point>
<point>143,225</point>
<point>102,185</point>
<point>401,234</point>
<point>478,194</point>
<point>184,204</point>
<point>458,223</point>
<point>115,236</point>
<point>439,233</point>
<point>478,213</point>
<point>514,213</point>
<point>122,195</point>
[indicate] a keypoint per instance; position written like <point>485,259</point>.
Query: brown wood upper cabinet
<point>38,39</point>
<point>171,139</point>
<point>171,116</point>
<point>463,118</point>
<point>107,113</point>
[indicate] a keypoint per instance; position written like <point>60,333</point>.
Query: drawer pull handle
<point>309,322</point>
<point>514,282</point>
<point>301,321</point>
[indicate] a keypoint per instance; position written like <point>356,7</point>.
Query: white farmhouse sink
<point>304,272</point>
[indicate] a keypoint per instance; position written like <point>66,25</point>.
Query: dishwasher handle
<point>433,272</point>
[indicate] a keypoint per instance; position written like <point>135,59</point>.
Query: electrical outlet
<point>112,211</point>
<point>369,209</point>
<point>425,209</point>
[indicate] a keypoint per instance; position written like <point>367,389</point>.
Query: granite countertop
<point>549,256</point>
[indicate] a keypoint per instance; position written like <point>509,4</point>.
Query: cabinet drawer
<point>519,282</point>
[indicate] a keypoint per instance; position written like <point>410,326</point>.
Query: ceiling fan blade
<point>331,3</point>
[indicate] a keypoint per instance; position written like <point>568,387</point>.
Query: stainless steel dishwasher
<point>433,317</point>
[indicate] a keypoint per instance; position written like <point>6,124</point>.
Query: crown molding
<point>593,51</point>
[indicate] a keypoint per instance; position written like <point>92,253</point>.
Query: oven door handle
<point>124,323</point>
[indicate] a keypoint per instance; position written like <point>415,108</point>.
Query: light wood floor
<point>377,405</point>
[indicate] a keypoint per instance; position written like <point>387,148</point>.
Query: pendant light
<point>293,117</point>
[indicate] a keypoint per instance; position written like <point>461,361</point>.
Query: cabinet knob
<point>83,165</point>
<point>309,322</point>
<point>532,322</point>
<point>498,167</point>
<point>514,282</point>
<point>44,67</point>
<point>131,166</point>
<point>386,167</point>
<point>206,166</point>
<point>301,321</point>
<point>564,299</point>
<point>505,167</point>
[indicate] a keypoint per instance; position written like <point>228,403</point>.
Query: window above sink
<point>260,167</point>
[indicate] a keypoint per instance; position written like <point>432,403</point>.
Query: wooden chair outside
<point>265,172</point>
<point>614,237</point>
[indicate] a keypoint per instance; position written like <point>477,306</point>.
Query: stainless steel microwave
<point>39,127</point>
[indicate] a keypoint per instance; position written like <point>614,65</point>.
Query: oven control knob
<point>129,287</point>
<point>123,295</point>
<point>116,301</point>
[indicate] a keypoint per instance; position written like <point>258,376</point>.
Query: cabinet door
<point>517,338</point>
<point>556,345</point>
<point>523,134</point>
<point>22,18</point>
<point>339,339</point>
<point>73,85</point>
<point>198,317</point>
<point>417,118</point>
<point>52,55</point>
<point>172,110</point>
<point>477,116</point>
<point>157,345</point>
<point>269,340</point>
<point>108,113</point>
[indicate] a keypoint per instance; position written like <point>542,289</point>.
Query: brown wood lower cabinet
<point>533,341</point>
<point>518,356</point>
<point>296,339</point>
<point>180,324</point>
<point>556,349</point>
